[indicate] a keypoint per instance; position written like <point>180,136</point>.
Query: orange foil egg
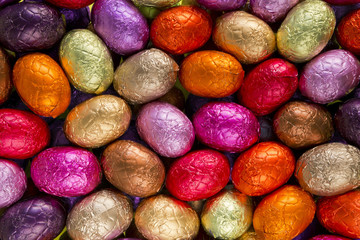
<point>211,74</point>
<point>348,32</point>
<point>42,84</point>
<point>284,214</point>
<point>181,29</point>
<point>5,80</point>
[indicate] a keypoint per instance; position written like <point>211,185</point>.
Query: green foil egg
<point>86,61</point>
<point>306,30</point>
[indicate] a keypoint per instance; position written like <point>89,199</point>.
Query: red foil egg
<point>268,86</point>
<point>181,29</point>
<point>198,175</point>
<point>348,32</point>
<point>72,4</point>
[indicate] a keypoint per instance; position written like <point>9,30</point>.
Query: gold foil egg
<point>133,168</point>
<point>145,76</point>
<point>5,79</point>
<point>155,3</point>
<point>249,235</point>
<point>227,215</point>
<point>164,218</point>
<point>86,61</point>
<point>245,36</point>
<point>306,30</point>
<point>97,121</point>
<point>103,215</point>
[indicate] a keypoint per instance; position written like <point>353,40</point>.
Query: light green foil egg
<point>86,61</point>
<point>306,30</point>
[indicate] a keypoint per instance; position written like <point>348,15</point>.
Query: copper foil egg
<point>145,76</point>
<point>97,121</point>
<point>301,124</point>
<point>133,168</point>
<point>329,169</point>
<point>245,36</point>
<point>5,79</point>
<point>164,218</point>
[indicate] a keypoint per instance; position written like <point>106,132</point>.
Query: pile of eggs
<point>190,119</point>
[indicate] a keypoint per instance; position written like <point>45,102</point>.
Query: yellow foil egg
<point>5,80</point>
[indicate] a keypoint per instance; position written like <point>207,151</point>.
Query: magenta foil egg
<point>222,5</point>
<point>272,10</point>
<point>66,171</point>
<point>166,129</point>
<point>226,126</point>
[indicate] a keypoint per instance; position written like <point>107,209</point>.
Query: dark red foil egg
<point>72,4</point>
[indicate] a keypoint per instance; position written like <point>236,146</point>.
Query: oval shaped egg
<point>97,121</point>
<point>222,5</point>
<point>348,32</point>
<point>245,36</point>
<point>306,30</point>
<point>42,84</point>
<point>284,214</point>
<point>301,124</point>
<point>198,175</point>
<point>211,74</point>
<point>165,218</point>
<point>249,235</point>
<point>328,237</point>
<point>5,77</point>
<point>102,215</point>
<point>30,26</point>
<point>86,61</point>
<point>121,25</point>
<point>269,85</point>
<point>179,30</point>
<point>226,126</point>
<point>22,134</point>
<point>272,11</point>
<point>72,4</point>
<point>166,129</point>
<point>145,76</point>
<point>155,3</point>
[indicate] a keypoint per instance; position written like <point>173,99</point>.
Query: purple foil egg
<point>272,10</point>
<point>76,18</point>
<point>33,219</point>
<point>166,129</point>
<point>330,76</point>
<point>226,126</point>
<point>357,93</point>
<point>6,2</point>
<point>341,10</point>
<point>329,237</point>
<point>121,25</point>
<point>13,182</point>
<point>222,5</point>
<point>66,171</point>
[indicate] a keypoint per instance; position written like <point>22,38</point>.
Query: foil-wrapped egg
<point>30,26</point>
<point>175,97</point>
<point>166,129</point>
<point>348,32</point>
<point>198,175</point>
<point>329,169</point>
<point>155,3</point>
<point>328,237</point>
<point>71,4</point>
<point>145,76</point>
<point>245,36</point>
<point>42,84</point>
<point>22,134</point>
<point>211,74</point>
<point>226,126</point>
<point>13,182</point>
<point>263,168</point>
<point>164,218</point>
<point>5,77</point>
<point>36,218</point>
<point>306,30</point>
<point>66,171</point>
<point>341,214</point>
<point>249,235</point>
<point>222,5</point>
<point>133,168</point>
<point>227,215</point>
<point>182,29</point>
<point>103,215</point>
<point>273,10</point>
<point>301,124</point>
<point>284,214</point>
<point>76,18</point>
<point>121,25</point>
<point>86,61</point>
<point>269,85</point>
<point>330,76</point>
<point>97,121</point>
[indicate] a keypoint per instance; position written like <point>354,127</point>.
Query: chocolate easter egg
<point>222,5</point>
<point>272,11</point>
<point>5,77</point>
<point>306,30</point>
<point>97,121</point>
<point>245,36</point>
<point>249,235</point>
<point>72,4</point>
<point>86,61</point>
<point>211,74</point>
<point>155,3</point>
<point>347,32</point>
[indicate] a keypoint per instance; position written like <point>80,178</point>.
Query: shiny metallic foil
<point>306,30</point>
<point>164,218</point>
<point>175,97</point>
<point>86,61</point>
<point>245,36</point>
<point>348,32</point>
<point>133,168</point>
<point>5,79</point>
<point>250,235</point>
<point>97,121</point>
<point>155,3</point>
<point>103,215</point>
<point>227,215</point>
